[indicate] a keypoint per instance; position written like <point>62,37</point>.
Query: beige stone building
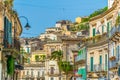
<point>103,46</point>
<point>10,30</point>
<point>35,69</point>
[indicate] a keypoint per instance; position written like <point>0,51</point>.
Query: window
<point>93,31</point>
<point>102,29</point>
<point>28,51</point>
<point>108,27</point>
<point>105,61</point>
<point>91,65</point>
<point>52,50</point>
<point>100,59</point>
<point>52,70</point>
<point>52,78</point>
<point>42,73</point>
<point>31,72</point>
<point>27,72</point>
<point>38,73</point>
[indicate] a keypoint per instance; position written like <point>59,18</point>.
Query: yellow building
<point>78,20</point>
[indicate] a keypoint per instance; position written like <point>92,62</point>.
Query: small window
<point>52,70</point>
<point>52,78</point>
<point>27,72</point>
<point>38,73</point>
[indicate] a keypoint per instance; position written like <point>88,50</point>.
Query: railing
<point>34,64</point>
<point>114,63</point>
<point>96,40</point>
<point>80,57</point>
<point>97,68</point>
<point>114,30</point>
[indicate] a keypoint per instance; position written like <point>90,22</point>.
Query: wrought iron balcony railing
<point>114,30</point>
<point>80,57</point>
<point>114,63</point>
<point>97,68</point>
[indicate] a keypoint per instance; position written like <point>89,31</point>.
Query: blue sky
<point>44,13</point>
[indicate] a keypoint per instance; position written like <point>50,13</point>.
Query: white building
<point>51,70</point>
<point>48,36</point>
<point>110,3</point>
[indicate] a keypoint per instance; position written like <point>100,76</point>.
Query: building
<point>78,20</point>
<point>102,48</point>
<point>35,69</point>
<point>80,64</point>
<point>10,30</point>
<point>110,3</point>
<point>52,69</point>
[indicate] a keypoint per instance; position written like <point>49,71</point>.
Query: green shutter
<point>102,29</point>
<point>106,62</point>
<point>108,27</point>
<point>93,31</point>
<point>91,65</point>
<point>27,49</point>
<point>100,59</point>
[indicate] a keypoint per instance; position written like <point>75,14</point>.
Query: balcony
<point>115,33</point>
<point>36,64</point>
<point>114,65</point>
<point>32,77</point>
<point>97,68</point>
<point>54,74</point>
<point>80,59</point>
<point>96,40</point>
<point>112,58</point>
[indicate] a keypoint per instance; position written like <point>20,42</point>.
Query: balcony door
<point>52,70</point>
<point>91,63</point>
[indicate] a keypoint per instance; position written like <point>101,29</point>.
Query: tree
<point>8,3</point>
<point>57,55</point>
<point>63,65</point>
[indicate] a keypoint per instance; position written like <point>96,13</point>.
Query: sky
<point>42,14</point>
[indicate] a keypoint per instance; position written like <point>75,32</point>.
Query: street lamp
<point>27,26</point>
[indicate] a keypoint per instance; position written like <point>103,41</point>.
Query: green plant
<point>117,21</point>
<point>8,3</point>
<point>65,66</point>
<point>37,58</point>
<point>97,12</point>
<point>10,65</point>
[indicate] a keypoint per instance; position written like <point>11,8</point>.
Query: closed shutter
<point>106,62</point>
<point>108,26</point>
<point>91,65</point>
<point>102,29</point>
<point>93,31</point>
<point>100,59</point>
